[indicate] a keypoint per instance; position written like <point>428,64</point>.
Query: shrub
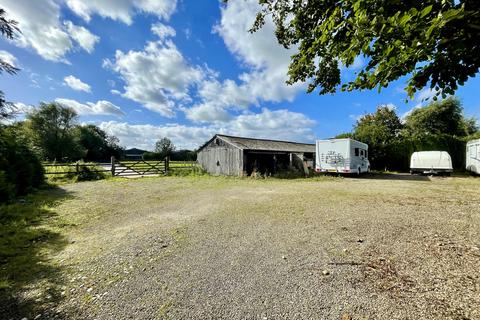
<point>86,172</point>
<point>152,156</point>
<point>20,169</point>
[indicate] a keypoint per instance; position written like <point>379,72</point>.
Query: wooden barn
<point>237,156</point>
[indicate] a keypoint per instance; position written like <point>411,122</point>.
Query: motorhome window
<point>362,152</point>
<point>357,151</point>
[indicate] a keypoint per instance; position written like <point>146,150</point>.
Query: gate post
<point>112,164</point>
<point>167,164</point>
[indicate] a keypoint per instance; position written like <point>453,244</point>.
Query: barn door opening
<point>265,163</point>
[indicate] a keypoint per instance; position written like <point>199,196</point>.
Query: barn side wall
<point>221,160</point>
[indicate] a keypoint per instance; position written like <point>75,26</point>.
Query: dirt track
<point>204,248</point>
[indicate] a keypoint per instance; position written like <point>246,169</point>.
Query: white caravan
<point>431,162</point>
<point>342,156</point>
<point>473,156</point>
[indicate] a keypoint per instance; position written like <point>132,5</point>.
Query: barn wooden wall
<point>229,158</point>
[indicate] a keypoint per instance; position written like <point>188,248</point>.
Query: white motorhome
<point>473,156</point>
<point>342,156</point>
<point>431,162</point>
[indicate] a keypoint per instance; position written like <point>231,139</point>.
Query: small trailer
<point>473,156</point>
<point>431,162</point>
<point>341,156</point>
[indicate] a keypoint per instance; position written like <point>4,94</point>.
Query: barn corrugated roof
<point>267,145</point>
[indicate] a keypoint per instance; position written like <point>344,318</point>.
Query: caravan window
<point>357,152</point>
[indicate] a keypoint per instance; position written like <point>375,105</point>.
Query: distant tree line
<point>439,126</point>
<point>165,147</point>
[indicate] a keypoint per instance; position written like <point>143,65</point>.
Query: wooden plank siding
<point>221,159</point>
<point>229,155</point>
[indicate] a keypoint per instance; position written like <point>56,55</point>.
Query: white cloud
<point>101,107</point>
<point>266,61</point>
<point>157,77</point>
<point>278,124</point>
<point>207,113</point>
<point>19,110</point>
<point>23,108</point>
<point>82,36</point>
<point>8,58</point>
<point>144,136</point>
<point>163,31</point>
<point>425,94</point>
<point>121,10</point>
<point>391,106</point>
<point>76,84</point>
<point>258,50</point>
<point>422,98</point>
<point>41,29</point>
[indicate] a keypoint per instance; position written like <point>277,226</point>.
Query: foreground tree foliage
<point>436,41</point>
<point>8,29</point>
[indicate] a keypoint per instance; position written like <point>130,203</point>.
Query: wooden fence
<point>122,168</point>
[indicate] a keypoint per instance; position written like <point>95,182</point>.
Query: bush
<point>152,156</point>
<point>86,172</point>
<point>20,169</point>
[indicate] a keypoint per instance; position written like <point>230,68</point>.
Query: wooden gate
<point>138,167</point>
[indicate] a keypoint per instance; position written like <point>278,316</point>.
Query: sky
<point>184,69</point>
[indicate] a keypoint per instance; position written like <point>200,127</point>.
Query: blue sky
<point>185,69</point>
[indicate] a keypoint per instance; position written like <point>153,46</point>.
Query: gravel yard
<point>385,247</point>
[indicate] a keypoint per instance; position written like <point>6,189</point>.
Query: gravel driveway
<point>223,248</point>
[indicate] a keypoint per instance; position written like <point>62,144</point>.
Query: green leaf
<point>426,11</point>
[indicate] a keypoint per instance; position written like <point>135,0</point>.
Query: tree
<point>379,130</point>
<point>164,147</point>
<point>98,145</point>
<point>437,42</point>
<point>444,117</point>
<point>51,128</point>
<point>8,29</point>
<point>344,135</point>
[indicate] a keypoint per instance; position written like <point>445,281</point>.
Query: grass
<point>30,232</point>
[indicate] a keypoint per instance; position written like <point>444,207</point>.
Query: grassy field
<point>379,247</point>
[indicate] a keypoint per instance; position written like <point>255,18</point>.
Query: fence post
<point>76,168</point>
<point>112,164</point>
<point>167,164</point>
